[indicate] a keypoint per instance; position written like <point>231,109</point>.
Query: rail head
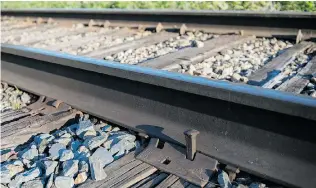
<point>170,12</point>
<point>240,19</point>
<point>267,99</point>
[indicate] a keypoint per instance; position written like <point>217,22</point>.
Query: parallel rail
<point>265,132</point>
<point>279,24</point>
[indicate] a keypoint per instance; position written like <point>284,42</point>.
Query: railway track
<point>251,95</point>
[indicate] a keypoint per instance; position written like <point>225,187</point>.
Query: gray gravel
<point>310,89</point>
<point>238,63</point>
<point>27,36</point>
<point>69,163</point>
<point>104,42</point>
<point>134,56</point>
<point>13,98</point>
<point>239,182</point>
<point>64,182</point>
<point>68,38</point>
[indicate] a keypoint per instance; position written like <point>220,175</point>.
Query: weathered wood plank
<point>52,35</point>
<point>136,176</point>
<point>149,40</point>
<point>117,179</point>
<point>10,113</point>
<point>297,83</point>
<point>138,184</point>
<point>180,184</point>
<point>12,127</point>
<point>13,116</point>
<point>21,135</point>
<point>192,186</point>
<point>120,163</point>
<point>171,179</point>
<point>116,171</point>
<point>21,25</point>
<point>196,55</point>
<point>77,43</point>
<point>274,80</point>
<point>264,74</point>
<point>154,182</point>
<point>5,113</point>
<point>34,28</point>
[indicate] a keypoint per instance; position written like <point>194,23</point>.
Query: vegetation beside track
<point>305,6</point>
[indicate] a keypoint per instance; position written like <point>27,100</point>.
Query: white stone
<point>25,177</point>
<point>49,167</point>
<point>81,178</point>
<point>30,154</point>
<point>70,168</point>
<point>64,182</point>
<point>38,183</point>
<point>223,180</point>
<point>84,126</point>
<point>63,140</point>
<point>66,155</point>
<point>235,77</point>
<point>55,150</point>
<point>95,142</point>
<point>227,71</point>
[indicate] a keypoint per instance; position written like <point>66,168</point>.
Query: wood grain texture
<point>146,41</point>
<point>297,83</point>
<point>196,55</point>
<point>264,74</point>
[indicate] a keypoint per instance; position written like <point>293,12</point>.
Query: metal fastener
<point>190,139</point>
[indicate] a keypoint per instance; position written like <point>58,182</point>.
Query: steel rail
<point>264,132</point>
<point>289,21</point>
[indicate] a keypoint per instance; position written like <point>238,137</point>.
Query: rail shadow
<point>158,133</point>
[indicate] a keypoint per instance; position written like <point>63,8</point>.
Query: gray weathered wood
<point>77,43</point>
<point>21,25</point>
<point>277,64</point>
<point>196,55</point>
<point>14,116</point>
<point>297,83</point>
<point>46,36</point>
<point>125,174</point>
<point>34,28</point>
<point>180,184</point>
<point>20,135</point>
<point>192,186</point>
<point>5,116</point>
<point>14,126</point>
<point>272,82</point>
<point>136,177</point>
<point>112,174</point>
<point>120,163</point>
<point>138,184</point>
<point>171,179</point>
<point>157,180</point>
<point>149,40</point>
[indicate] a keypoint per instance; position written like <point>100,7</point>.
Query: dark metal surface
<point>264,132</point>
<point>238,18</point>
<point>171,158</point>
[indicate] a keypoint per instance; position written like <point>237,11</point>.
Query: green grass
<point>306,6</point>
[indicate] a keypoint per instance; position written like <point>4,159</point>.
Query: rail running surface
<point>258,23</point>
<point>265,132</point>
